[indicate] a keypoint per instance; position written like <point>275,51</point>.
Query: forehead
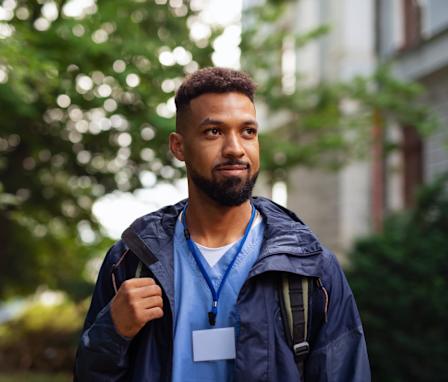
<point>230,104</point>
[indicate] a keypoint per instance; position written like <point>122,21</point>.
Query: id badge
<point>213,344</point>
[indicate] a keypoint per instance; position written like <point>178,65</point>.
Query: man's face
<point>220,146</point>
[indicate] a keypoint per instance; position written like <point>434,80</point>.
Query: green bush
<point>400,280</point>
<point>35,377</point>
<point>43,338</point>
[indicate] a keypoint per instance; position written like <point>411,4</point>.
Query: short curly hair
<point>211,80</point>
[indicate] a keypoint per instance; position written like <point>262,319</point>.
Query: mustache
<point>232,162</point>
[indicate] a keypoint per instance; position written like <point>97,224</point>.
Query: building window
<point>434,16</point>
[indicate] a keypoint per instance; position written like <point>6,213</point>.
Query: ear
<point>176,141</point>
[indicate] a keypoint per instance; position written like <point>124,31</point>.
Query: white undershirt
<point>213,255</point>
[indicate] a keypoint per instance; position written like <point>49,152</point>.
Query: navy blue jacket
<point>338,350</point>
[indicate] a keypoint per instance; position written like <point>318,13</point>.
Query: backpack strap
<point>295,304</point>
<point>138,271</point>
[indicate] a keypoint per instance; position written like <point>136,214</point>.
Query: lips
<point>232,169</point>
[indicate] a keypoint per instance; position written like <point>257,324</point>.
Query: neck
<point>214,225</point>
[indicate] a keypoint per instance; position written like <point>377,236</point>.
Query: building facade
<point>411,35</point>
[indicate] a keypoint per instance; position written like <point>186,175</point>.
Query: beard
<point>230,192</point>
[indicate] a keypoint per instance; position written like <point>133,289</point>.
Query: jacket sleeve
<point>339,353</point>
<point>102,351</point>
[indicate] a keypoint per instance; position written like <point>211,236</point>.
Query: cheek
<point>254,155</point>
<point>201,155</point>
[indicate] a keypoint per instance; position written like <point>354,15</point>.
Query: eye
<point>250,132</point>
<point>213,132</point>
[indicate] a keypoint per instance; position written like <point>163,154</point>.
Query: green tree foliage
<point>400,281</point>
<point>317,125</point>
<point>86,104</point>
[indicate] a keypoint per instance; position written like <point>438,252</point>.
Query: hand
<point>137,302</point>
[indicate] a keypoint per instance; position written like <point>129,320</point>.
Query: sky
<point>116,211</point>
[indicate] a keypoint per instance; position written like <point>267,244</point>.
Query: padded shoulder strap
<point>295,292</point>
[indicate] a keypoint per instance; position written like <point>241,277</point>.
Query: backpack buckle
<point>301,349</point>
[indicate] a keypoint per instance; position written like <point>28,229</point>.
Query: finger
<point>151,302</point>
<point>153,313</point>
<point>138,282</point>
<point>147,291</point>
<point>128,286</point>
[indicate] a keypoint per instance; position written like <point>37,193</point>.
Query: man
<point>191,292</point>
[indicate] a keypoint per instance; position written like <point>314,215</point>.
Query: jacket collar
<point>289,245</point>
<point>286,239</point>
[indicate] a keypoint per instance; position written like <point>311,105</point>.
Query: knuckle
<point>127,293</point>
<point>157,290</point>
<point>155,302</point>
<point>152,290</point>
<point>151,281</point>
<point>156,313</point>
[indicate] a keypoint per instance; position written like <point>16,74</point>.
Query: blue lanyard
<point>196,254</point>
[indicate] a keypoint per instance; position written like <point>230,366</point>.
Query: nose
<point>233,147</point>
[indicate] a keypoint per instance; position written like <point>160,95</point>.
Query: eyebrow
<point>210,121</point>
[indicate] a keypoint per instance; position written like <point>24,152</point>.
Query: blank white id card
<point>213,344</point>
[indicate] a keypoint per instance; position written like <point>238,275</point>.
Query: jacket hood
<point>296,248</point>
